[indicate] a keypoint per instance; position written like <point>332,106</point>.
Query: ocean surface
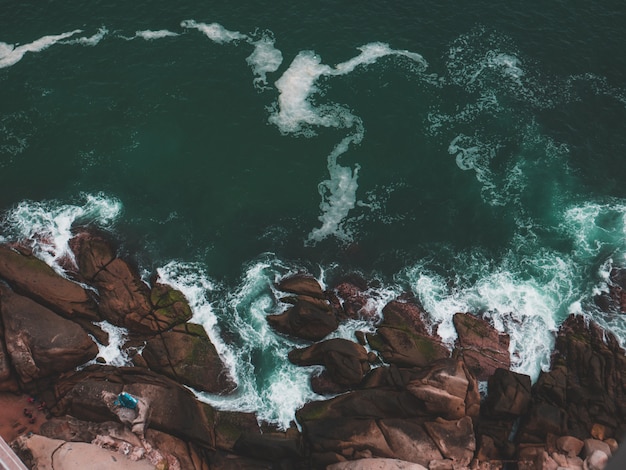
<point>472,153</point>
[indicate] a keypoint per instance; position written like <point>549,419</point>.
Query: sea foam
<point>214,31</point>
<point>11,54</point>
<point>47,226</point>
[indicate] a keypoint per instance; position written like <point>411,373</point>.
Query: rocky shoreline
<point>401,398</point>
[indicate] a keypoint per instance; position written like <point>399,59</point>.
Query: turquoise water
<point>470,153</point>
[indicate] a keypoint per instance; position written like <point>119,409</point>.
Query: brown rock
<point>592,445</point>
<point>310,318</point>
<point>443,389</point>
<point>231,425</point>
<point>569,445</point>
<point>346,362</point>
<point>587,380</point>
<point>186,355</point>
<point>545,462</point>
<point>455,439</point>
<point>598,431</point>
<point>173,409</point>
<point>403,313</point>
<point>124,297</point>
<point>345,436</point>
<point>405,348</point>
<point>354,301</point>
<point>481,346</point>
<point>8,382</point>
<point>92,253</point>
<point>376,464</point>
<point>302,284</point>
<point>508,394</point>
<point>402,338</point>
<point>31,277</point>
<point>409,441</point>
<point>542,420</point>
<point>40,342</point>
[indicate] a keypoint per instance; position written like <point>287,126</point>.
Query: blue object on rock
<point>126,400</point>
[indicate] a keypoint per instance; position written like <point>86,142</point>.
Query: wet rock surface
<point>404,401</point>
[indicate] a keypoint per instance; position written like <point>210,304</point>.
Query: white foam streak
<point>214,31</point>
<point>91,40</point>
<point>47,226</point>
<point>11,54</point>
<point>149,35</point>
<point>338,195</point>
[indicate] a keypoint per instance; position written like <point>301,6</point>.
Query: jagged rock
<point>587,381</point>
<point>402,338</point>
<point>399,313</point>
<point>480,346</point>
<point>170,307</point>
<point>346,362</point>
<point>188,455</point>
<point>368,403</point>
<point>542,420</point>
<point>231,425</point>
<point>443,389</point>
<point>302,284</point>
<point>173,409</point>
<point>455,439</point>
<point>124,297</point>
<point>187,355</point>
<point>310,318</point>
<point>92,253</point>
<point>508,394</point>
<point>354,300</point>
<point>376,464</point>
<point>31,277</point>
<point>39,342</point>
<point>409,441</point>
<point>347,437</point>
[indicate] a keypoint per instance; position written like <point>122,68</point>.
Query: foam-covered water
<point>469,157</point>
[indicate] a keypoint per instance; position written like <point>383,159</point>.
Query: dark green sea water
<point>470,152</point>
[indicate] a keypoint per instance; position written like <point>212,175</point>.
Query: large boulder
<point>172,408</point>
<point>309,318</point>
<point>508,395</point>
<point>346,362</point>
<point>187,355</point>
<point>403,339</point>
<point>447,390</point>
<point>354,299</point>
<point>302,284</point>
<point>40,342</point>
<point>586,383</point>
<point>455,439</point>
<point>480,345</point>
<point>31,277</point>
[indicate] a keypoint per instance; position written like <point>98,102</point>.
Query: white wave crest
<point>11,54</point>
<point>47,226</point>
<point>214,31</point>
<point>525,297</point>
